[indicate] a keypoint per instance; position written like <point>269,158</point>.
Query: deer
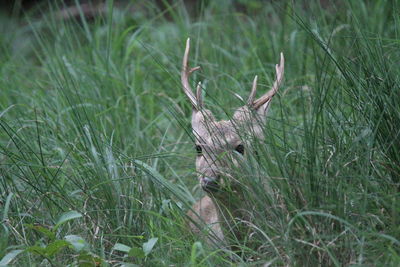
<point>215,212</point>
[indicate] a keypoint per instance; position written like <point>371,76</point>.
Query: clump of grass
<point>95,147</point>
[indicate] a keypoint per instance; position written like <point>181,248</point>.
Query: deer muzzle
<point>210,185</point>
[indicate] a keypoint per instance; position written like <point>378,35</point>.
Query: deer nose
<point>210,185</point>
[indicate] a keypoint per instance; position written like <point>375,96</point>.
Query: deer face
<point>219,143</point>
<point>217,146</point>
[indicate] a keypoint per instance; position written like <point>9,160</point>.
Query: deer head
<point>219,143</point>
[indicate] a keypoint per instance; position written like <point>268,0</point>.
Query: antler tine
<point>253,92</point>
<point>196,102</point>
<point>268,96</point>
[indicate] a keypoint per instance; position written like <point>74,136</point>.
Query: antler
<point>268,96</point>
<point>196,101</point>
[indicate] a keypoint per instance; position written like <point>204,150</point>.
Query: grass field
<point>97,155</point>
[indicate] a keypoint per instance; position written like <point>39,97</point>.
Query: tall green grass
<point>97,157</point>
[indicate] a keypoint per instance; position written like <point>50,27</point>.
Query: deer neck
<point>229,204</point>
<point>231,212</point>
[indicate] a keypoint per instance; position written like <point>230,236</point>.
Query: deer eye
<point>240,149</point>
<point>199,150</point>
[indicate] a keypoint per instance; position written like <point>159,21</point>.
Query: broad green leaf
<point>55,247</point>
<point>121,247</point>
<point>43,230</point>
<point>10,256</point>
<point>37,250</point>
<point>197,251</point>
<point>77,242</point>
<point>88,259</point>
<point>50,250</point>
<point>136,252</point>
<point>148,246</point>
<point>67,216</point>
